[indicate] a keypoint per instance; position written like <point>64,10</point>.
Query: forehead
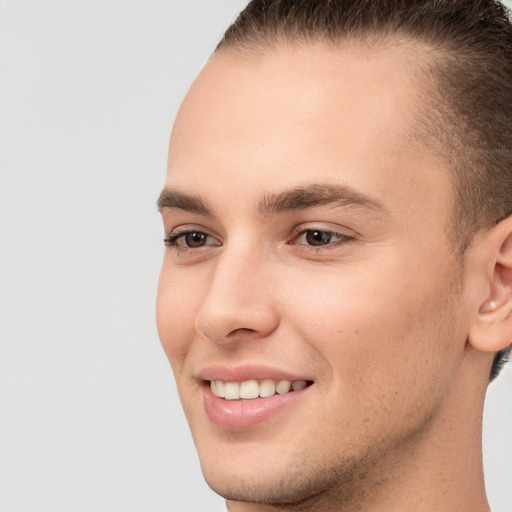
<point>258,121</point>
<point>327,88</point>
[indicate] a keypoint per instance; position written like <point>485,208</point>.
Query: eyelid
<point>338,231</point>
<point>327,227</point>
<point>181,231</point>
<point>187,228</point>
<point>339,236</point>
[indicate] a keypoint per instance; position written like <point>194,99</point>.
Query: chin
<point>285,489</point>
<point>275,479</point>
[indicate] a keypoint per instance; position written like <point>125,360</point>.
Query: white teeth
<point>283,387</point>
<point>219,389</point>
<point>267,388</point>
<point>250,389</point>
<point>231,391</point>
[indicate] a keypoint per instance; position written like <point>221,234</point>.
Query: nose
<point>240,300</point>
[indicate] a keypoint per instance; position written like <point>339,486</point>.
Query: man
<point>336,291</point>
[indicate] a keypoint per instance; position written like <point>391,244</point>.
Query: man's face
<point>308,244</point>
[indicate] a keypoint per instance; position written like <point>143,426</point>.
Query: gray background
<point>89,418</point>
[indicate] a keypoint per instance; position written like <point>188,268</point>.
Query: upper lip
<point>242,373</point>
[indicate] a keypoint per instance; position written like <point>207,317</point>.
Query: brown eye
<point>195,239</point>
<point>317,237</point>
<point>190,240</point>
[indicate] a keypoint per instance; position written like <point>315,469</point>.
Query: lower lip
<point>239,414</point>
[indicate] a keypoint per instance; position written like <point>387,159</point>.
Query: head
<point>337,216</point>
<point>467,69</point>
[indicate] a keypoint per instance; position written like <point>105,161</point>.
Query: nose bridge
<point>239,297</point>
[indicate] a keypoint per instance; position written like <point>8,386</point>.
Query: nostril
<point>241,330</point>
<point>229,322</point>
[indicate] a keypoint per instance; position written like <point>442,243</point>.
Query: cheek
<point>385,353</point>
<point>176,308</point>
<point>378,329</point>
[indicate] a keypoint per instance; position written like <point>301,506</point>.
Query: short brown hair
<point>471,43</point>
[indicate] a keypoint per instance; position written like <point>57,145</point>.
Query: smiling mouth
<point>253,389</point>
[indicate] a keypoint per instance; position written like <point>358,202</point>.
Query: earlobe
<point>492,330</point>
<point>491,326</point>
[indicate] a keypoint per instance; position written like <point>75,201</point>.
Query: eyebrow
<point>170,198</point>
<point>299,198</point>
<point>314,195</point>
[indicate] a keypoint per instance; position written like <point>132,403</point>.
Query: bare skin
<point>308,236</point>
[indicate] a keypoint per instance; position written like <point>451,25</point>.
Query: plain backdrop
<point>89,417</point>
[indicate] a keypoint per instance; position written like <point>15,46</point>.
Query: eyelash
<point>342,239</point>
<point>173,240</point>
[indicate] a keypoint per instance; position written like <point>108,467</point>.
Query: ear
<point>490,327</point>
